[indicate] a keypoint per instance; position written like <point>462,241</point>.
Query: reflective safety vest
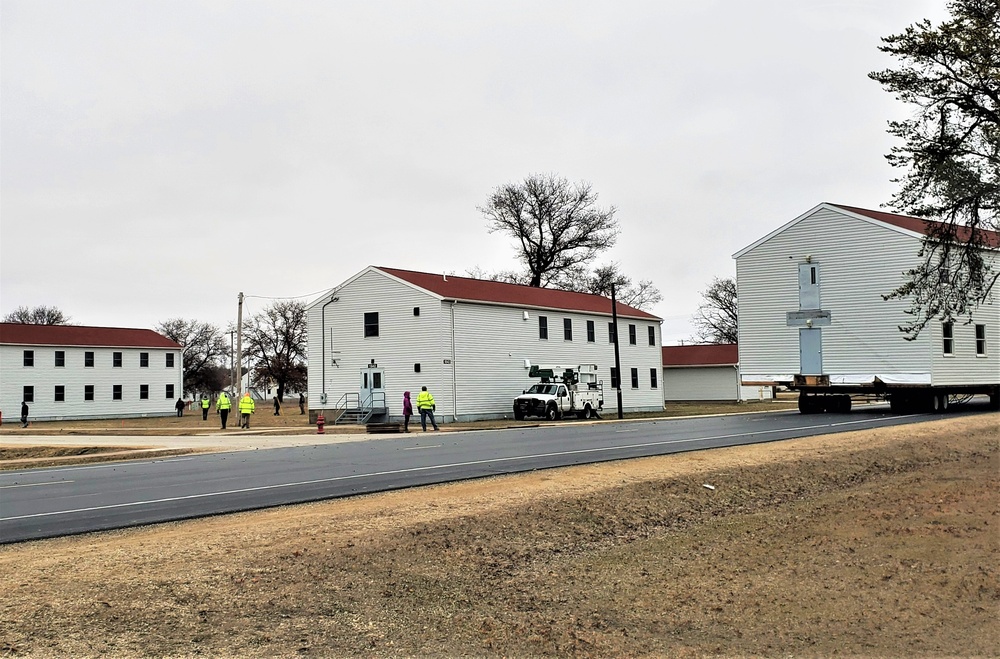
<point>223,402</point>
<point>205,403</point>
<point>246,405</point>
<point>425,401</point>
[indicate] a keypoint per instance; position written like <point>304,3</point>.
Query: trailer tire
<point>809,404</point>
<point>995,399</point>
<point>943,402</point>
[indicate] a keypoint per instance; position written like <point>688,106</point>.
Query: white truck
<point>562,390</point>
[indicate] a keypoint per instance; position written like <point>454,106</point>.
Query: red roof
<point>722,354</point>
<point>79,335</point>
<point>482,290</point>
<point>922,226</point>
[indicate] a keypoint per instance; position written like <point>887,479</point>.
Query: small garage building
<point>706,372</point>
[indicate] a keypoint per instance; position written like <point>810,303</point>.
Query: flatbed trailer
<point>817,394</point>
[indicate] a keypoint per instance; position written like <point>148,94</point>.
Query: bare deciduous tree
<point>204,352</point>
<point>37,316</point>
<point>558,225</point>
<point>276,340</point>
<point>716,319</point>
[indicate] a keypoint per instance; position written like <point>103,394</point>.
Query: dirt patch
<point>881,542</point>
<point>21,457</point>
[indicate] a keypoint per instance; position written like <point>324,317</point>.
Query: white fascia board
<point>329,293</point>
<point>782,228</point>
<point>408,284</point>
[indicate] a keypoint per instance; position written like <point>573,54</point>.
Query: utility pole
<point>618,363</point>
<point>232,359</point>
<point>239,348</point>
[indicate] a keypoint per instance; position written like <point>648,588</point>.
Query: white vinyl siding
<point>863,339</point>
<point>45,376</point>
<point>471,355</point>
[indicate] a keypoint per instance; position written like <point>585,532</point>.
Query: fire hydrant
<point>319,424</point>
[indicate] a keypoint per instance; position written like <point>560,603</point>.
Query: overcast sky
<point>160,157</point>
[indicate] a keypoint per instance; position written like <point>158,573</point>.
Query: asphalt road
<point>42,503</point>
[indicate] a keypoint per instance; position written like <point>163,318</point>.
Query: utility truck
<point>561,390</point>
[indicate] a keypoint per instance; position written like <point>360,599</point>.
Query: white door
<point>372,386</point>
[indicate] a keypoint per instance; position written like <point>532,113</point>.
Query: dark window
<point>170,391</point>
<point>635,378</point>
<point>371,324</point>
<point>416,311</point>
<point>144,359</point>
<point>60,393</point>
<point>614,377</point>
<point>611,332</point>
<point>631,334</point>
<point>948,334</point>
<point>980,340</point>
<point>377,380</point>
<point>88,392</point>
<point>652,378</point>
<point>28,394</point>
<point>143,392</point>
<point>416,368</point>
<point>568,329</point>
<point>170,360</point>
<point>60,358</point>
<point>116,392</point>
<point>29,357</point>
<point>116,359</point>
<point>652,335</point>
<point>88,360</point>
<point>543,327</point>
<point>591,334</point>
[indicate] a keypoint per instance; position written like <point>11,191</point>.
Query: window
<point>28,394</point>
<point>631,334</point>
<point>29,357</point>
<point>116,392</point>
<point>652,335</point>
<point>416,311</point>
<point>568,329</point>
<point>371,324</point>
<point>591,334</point>
<point>416,368</point>
<point>980,340</point>
<point>144,360</point>
<point>948,336</point>
<point>60,358</point>
<point>614,377</point>
<point>652,378</point>
<point>635,378</point>
<point>60,393</point>
<point>88,392</point>
<point>116,360</point>
<point>170,360</point>
<point>143,392</point>
<point>611,332</point>
<point>88,360</point>
<point>543,327</point>
<point>170,391</point>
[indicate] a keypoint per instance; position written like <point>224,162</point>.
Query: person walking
<point>206,403</point>
<point>302,403</point>
<point>179,406</point>
<point>247,407</point>
<point>277,406</point>
<point>407,411</point>
<point>425,403</point>
<point>222,406</point>
<point>24,414</point>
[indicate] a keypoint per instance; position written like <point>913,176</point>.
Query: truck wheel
<point>518,415</point>
<point>943,402</point>
<point>588,412</point>
<point>552,412</point>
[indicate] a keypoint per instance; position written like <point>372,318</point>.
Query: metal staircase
<point>351,410</point>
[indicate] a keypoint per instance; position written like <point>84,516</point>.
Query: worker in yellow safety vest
<point>425,404</point>
<point>246,409</point>
<point>222,406</point>
<point>206,403</point>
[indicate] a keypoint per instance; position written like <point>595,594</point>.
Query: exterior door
<point>810,351</point>
<point>372,385</point>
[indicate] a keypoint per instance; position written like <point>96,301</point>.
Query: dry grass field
<point>874,543</point>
